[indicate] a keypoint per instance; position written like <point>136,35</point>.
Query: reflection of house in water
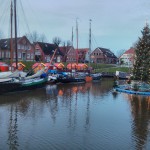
<point>71,96</point>
<point>52,93</point>
<point>140,109</point>
<point>51,90</point>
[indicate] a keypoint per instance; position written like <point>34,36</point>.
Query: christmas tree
<point>141,66</point>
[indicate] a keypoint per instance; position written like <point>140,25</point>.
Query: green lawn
<point>109,68</point>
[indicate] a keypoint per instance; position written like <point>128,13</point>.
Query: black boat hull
<point>70,80</point>
<point>8,87</point>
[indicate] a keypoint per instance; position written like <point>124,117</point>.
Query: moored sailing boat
<point>11,83</point>
<point>91,76</point>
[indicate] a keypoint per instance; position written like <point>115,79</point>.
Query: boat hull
<point>132,92</point>
<point>70,80</point>
<point>8,87</point>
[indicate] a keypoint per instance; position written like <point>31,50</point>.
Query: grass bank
<point>109,68</point>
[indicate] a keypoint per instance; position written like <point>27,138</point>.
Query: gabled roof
<point>5,43</point>
<point>49,49</point>
<point>130,51</point>
<point>65,49</point>
<point>107,52</point>
<point>82,49</point>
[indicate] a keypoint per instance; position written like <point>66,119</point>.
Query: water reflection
<point>73,100</point>
<point>74,116</point>
<point>20,105</point>
<point>12,129</point>
<point>140,109</point>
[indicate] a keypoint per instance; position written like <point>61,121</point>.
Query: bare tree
<point>120,52</point>
<point>42,38</point>
<point>69,43</point>
<point>33,37</point>
<point>66,48</point>
<point>56,41</point>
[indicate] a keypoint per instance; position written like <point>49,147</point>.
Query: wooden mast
<point>77,41</point>
<point>72,37</point>
<point>11,42</point>
<point>89,78</point>
<point>16,46</point>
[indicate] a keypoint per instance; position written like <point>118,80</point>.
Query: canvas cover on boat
<point>5,80</point>
<point>38,66</point>
<point>37,74</point>
<point>14,74</point>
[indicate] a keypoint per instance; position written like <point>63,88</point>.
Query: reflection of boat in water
<point>51,89</point>
<point>38,94</point>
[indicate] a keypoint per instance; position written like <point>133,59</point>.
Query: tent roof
<point>19,63</point>
<point>59,64</point>
<point>36,64</point>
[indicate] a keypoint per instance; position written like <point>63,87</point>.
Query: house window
<point>28,55</point>
<point>7,54</point>
<point>19,46</point>
<point>19,55</point>
<point>27,47</point>
<point>14,55</point>
<point>32,56</point>
<point>2,54</point>
<point>58,59</point>
<point>48,59</point>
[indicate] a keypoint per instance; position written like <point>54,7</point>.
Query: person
<point>115,84</point>
<point>129,81</point>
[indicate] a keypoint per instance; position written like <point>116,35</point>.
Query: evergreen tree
<point>141,66</point>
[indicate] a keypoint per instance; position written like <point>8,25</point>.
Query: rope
<point>4,13</point>
<point>24,16</point>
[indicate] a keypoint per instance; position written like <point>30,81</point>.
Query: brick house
<point>65,50</point>
<point>127,58</point>
<point>82,54</point>
<point>103,55</point>
<point>44,52</point>
<point>75,55</point>
<point>25,49</point>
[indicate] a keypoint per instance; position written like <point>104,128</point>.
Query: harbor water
<point>83,116</point>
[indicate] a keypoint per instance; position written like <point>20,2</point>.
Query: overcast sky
<point>116,24</point>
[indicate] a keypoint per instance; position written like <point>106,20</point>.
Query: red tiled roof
<point>130,51</point>
<point>83,49</point>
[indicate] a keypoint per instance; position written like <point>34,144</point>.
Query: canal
<point>86,116</point>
